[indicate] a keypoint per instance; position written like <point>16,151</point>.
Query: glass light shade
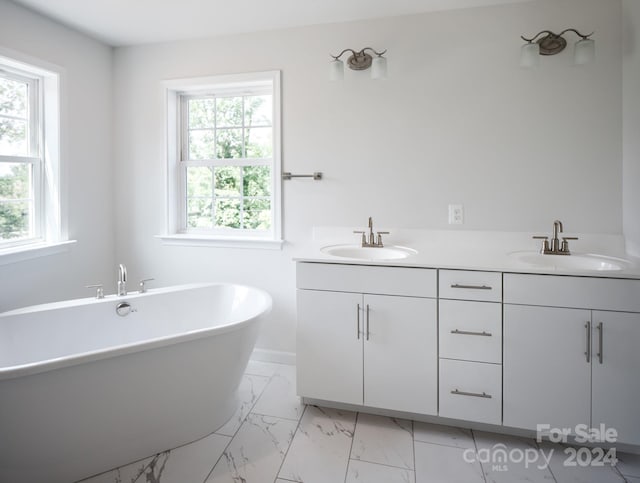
<point>530,55</point>
<point>585,51</point>
<point>379,68</point>
<point>336,70</point>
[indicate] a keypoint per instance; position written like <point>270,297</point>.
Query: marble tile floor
<point>273,438</point>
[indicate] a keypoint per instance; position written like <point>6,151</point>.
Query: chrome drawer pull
<point>474,394</point>
<point>358,321</point>
<point>466,332</point>
<point>475,287</point>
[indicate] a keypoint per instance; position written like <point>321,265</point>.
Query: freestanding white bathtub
<point>84,390</point>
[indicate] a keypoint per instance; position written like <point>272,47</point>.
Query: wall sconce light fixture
<point>549,43</point>
<point>359,60</point>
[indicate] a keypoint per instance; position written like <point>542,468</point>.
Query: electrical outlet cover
<point>456,215</point>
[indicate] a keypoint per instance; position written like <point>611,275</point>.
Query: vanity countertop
<point>473,250</point>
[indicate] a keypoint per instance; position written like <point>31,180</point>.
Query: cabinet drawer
<point>469,285</point>
<point>471,331</point>
<point>471,391</point>
<point>574,292</point>
<point>411,282</point>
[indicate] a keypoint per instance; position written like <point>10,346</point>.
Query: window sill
<point>33,250</point>
<point>189,240</point>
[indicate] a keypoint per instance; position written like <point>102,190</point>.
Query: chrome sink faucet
<point>372,241</point>
<point>557,247</point>
<point>122,280</point>
<point>557,228</point>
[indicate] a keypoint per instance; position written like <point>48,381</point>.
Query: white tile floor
<point>273,438</point>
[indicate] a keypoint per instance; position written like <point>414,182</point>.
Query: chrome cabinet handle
<point>358,323</point>
<point>367,321</point>
<point>600,337</point>
<point>466,332</point>
<point>475,287</point>
<point>588,351</point>
<point>474,394</point>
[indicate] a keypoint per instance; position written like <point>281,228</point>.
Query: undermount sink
<point>576,261</point>
<point>368,253</point>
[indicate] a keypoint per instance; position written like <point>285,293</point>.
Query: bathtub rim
<point>38,367</point>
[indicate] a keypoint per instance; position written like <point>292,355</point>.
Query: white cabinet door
<point>329,346</point>
<point>616,364</point>
<point>400,353</point>
<point>547,378</point>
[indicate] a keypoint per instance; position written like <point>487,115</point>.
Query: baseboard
<point>280,357</point>
<point>458,423</point>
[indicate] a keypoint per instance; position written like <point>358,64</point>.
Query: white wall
<point>86,157</point>
<point>631,116</point>
<point>457,121</point>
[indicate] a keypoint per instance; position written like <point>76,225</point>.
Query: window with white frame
<point>228,157</point>
<point>29,156</point>
<point>20,158</point>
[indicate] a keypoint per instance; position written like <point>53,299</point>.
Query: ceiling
<point>130,22</point>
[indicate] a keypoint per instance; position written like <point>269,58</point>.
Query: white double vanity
<point>491,341</point>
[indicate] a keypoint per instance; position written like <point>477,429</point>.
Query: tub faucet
<point>122,280</point>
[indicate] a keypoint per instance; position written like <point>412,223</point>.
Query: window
<point>30,213</point>
<point>20,159</point>
<point>227,159</point>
